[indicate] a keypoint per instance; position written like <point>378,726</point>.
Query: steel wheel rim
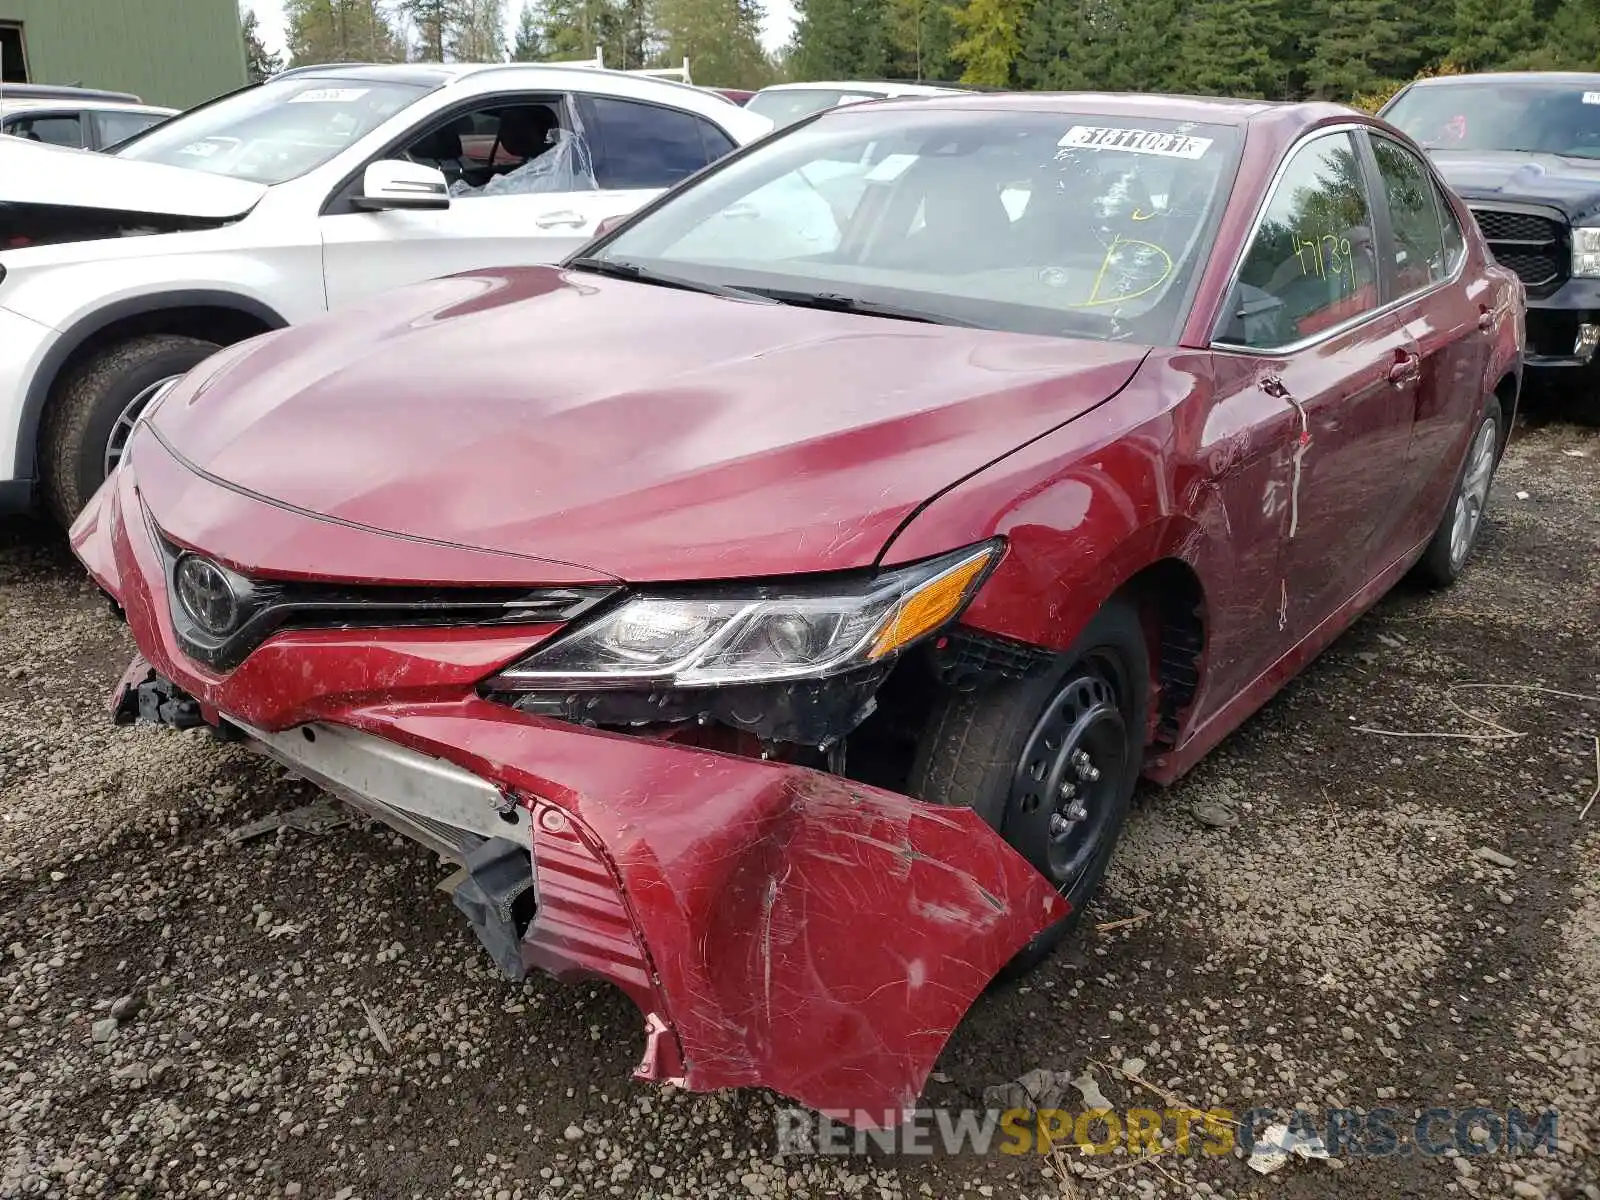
<point>122,429</point>
<point>1473,494</point>
<point>1065,790</point>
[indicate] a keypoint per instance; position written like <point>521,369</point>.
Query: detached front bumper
<point>776,926</point>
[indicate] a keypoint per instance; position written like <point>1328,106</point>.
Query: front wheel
<point>87,426</point>
<point>1050,763</point>
<point>1447,554</point>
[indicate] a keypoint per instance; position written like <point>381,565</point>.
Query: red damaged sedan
<point>772,609</point>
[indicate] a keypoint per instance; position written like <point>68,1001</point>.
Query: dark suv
<point>1523,150</point>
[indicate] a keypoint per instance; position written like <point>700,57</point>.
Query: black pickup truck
<point>1523,150</point>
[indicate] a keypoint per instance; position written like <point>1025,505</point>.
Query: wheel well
<point>217,320</point>
<point>1171,603</point>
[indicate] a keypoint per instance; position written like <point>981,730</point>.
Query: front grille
<point>1536,247</point>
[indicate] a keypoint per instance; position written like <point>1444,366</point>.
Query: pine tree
<point>1113,45</point>
<point>920,34</point>
<point>720,38</point>
<point>528,45</point>
<point>1490,32</point>
<point>259,61</point>
<point>990,39</point>
<point>478,32</point>
<point>319,31</point>
<point>1226,49</point>
<point>840,39</point>
<point>574,29</point>
<point>1573,38</point>
<point>434,21</point>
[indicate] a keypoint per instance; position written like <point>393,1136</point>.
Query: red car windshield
<point>1068,224</point>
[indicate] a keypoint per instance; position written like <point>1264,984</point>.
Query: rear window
<point>791,104</point>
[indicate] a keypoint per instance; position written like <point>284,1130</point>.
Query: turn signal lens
<point>931,606</point>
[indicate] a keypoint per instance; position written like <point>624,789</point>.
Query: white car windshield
<point>1059,223</point>
<point>277,131</point>
<point>783,106</point>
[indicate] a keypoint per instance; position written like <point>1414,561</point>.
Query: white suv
<point>276,203</point>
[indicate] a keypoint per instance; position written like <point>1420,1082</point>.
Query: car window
<point>1419,257</point>
<point>1312,263</point>
<point>519,148</point>
<point>120,126</point>
<point>1063,224</point>
<point>1455,242</point>
<point>647,145</point>
<point>785,106</point>
<point>59,129</point>
<point>277,131</point>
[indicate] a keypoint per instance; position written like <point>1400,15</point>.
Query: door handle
<point>1406,369</point>
<point>1485,320</point>
<point>561,220</point>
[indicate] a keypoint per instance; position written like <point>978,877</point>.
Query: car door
<point>491,220</point>
<point>641,149</point>
<point>1306,319</point>
<point>1449,319</point>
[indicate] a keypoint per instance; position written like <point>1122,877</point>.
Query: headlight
<point>1586,250</point>
<point>737,634</point>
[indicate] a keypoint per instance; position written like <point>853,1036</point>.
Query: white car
<point>81,117</point>
<point>786,103</point>
<point>271,205</point>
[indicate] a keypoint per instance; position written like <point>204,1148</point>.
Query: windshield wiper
<point>834,302</point>
<point>618,269</point>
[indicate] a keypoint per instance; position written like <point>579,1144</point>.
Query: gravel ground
<point>304,1014</point>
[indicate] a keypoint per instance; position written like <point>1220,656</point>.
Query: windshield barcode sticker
<point>1135,141</point>
<point>1591,97</point>
<point>328,96</point>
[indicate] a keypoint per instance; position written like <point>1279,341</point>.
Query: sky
<point>774,33</point>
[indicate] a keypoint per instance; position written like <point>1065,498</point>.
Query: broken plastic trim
<point>807,712</point>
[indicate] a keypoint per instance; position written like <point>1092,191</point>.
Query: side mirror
<point>607,224</point>
<point>393,183</point>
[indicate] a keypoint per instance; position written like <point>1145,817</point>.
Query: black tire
<point>972,753</point>
<point>1441,563</point>
<point>89,402</point>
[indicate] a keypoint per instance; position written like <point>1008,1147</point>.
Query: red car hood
<point>645,432</point>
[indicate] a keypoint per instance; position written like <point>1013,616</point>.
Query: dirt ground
<point>306,1014</point>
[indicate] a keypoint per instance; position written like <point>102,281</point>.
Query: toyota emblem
<point>207,595</point>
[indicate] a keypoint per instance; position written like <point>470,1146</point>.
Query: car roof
<point>445,74</point>
<point>63,91</point>
<point>1214,110</point>
<point>886,87</point>
<point>66,103</point>
<point>1583,78</point>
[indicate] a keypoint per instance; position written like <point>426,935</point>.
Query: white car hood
<point>36,173</point>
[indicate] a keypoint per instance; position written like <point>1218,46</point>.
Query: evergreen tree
<point>529,43</point>
<point>575,29</point>
<point>840,39</point>
<point>478,32</point>
<point>1111,45</point>
<point>919,35</point>
<point>1491,32</point>
<point>434,21</point>
<point>990,37</point>
<point>1573,38</point>
<point>259,62</point>
<point>720,38</point>
<point>1226,49</point>
<point>320,31</point>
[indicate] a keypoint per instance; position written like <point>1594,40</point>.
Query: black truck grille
<point>1534,246</point>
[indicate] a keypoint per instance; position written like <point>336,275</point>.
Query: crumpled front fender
<point>777,926</point>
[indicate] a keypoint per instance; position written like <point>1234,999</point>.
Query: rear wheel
<point>1049,763</point>
<point>1447,554</point>
<point>87,425</point>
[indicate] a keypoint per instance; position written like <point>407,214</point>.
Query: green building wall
<point>175,52</point>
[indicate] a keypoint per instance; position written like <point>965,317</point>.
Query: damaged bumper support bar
<point>776,926</point>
